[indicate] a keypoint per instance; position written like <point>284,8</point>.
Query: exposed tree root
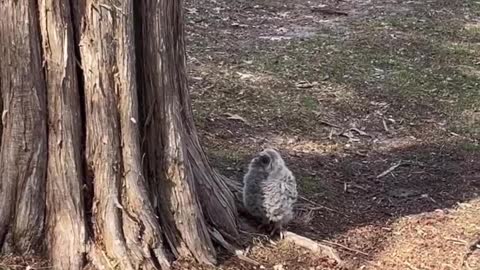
<point>217,236</point>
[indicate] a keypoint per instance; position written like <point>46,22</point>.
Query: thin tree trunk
<point>24,137</point>
<point>66,226</point>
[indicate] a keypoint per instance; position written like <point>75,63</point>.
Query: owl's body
<point>270,189</point>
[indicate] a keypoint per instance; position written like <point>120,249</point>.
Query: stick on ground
<point>389,170</point>
<point>313,246</point>
<point>329,11</point>
<point>319,205</point>
<point>346,248</point>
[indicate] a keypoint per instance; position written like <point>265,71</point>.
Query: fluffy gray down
<point>270,189</point>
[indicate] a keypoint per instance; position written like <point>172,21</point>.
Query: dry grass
<point>436,240</point>
<point>23,263</point>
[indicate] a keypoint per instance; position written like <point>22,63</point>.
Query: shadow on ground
<point>346,201</point>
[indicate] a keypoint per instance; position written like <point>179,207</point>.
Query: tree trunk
<point>66,231</point>
<point>24,136</point>
<point>168,126</point>
<point>124,221</point>
<point>125,167</point>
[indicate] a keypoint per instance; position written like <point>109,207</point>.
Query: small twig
<point>312,245</point>
<point>329,124</point>
<point>236,117</point>
<point>310,208</point>
<point>411,266</point>
<point>253,233</point>
<point>330,135</point>
<point>361,154</point>
<point>389,170</point>
<point>328,11</point>
<point>361,132</point>
<point>346,248</point>
<point>460,241</point>
<point>357,186</point>
<point>385,126</point>
<point>319,205</point>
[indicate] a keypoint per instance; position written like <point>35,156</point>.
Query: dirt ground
<point>375,108</point>
<point>390,85</point>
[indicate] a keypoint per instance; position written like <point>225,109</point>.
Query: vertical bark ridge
<point>24,141</point>
<point>141,217</point>
<point>169,166</point>
<point>125,224</point>
<point>217,200</point>
<point>97,49</point>
<point>66,231</point>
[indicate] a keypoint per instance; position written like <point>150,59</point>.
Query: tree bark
<point>124,221</point>
<point>197,189</point>
<point>217,198</point>
<point>167,162</point>
<point>23,153</point>
<point>66,224</point>
<point>107,125</point>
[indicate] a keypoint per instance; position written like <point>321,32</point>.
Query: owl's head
<point>268,160</point>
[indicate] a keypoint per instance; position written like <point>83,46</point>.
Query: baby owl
<point>270,190</point>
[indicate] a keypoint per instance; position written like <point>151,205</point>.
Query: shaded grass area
<point>350,205</point>
<point>420,69</point>
<point>423,64</point>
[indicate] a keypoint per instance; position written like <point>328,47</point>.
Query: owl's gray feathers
<point>270,189</point>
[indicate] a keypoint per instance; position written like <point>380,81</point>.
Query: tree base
<point>217,236</point>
